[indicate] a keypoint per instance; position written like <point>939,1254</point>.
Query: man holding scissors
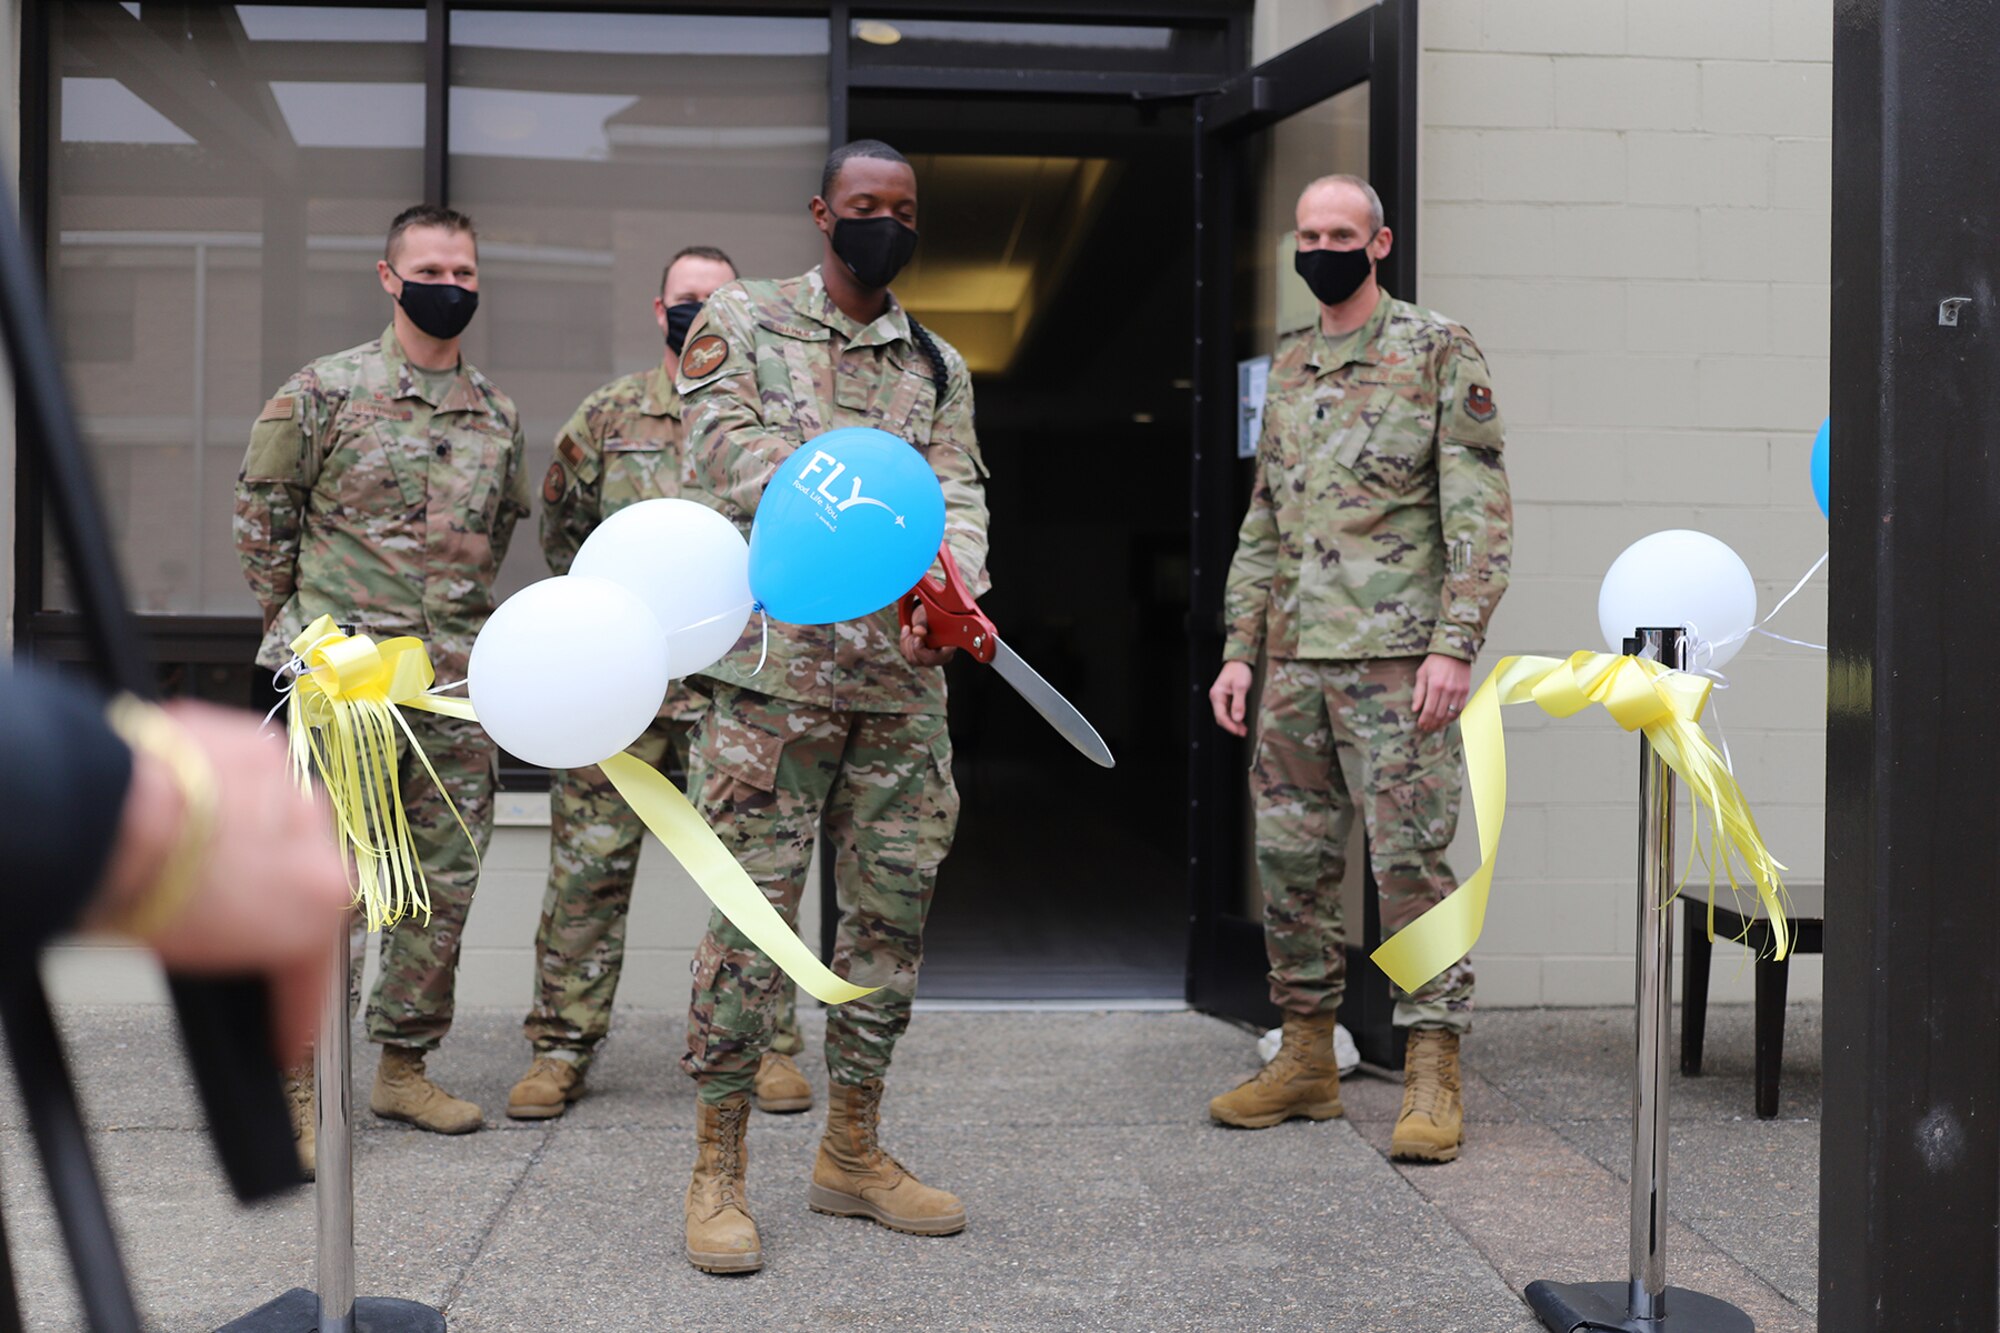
<point>1375,549</point>
<point>845,723</point>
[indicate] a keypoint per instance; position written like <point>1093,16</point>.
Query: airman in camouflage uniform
<point>621,446</point>
<point>1374,551</point>
<point>384,494</point>
<point>844,728</point>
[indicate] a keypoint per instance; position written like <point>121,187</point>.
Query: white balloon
<point>689,565</point>
<point>1679,577</point>
<point>568,671</point>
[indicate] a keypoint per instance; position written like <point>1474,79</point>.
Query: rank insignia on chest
<point>703,355</point>
<point>1479,403</point>
<point>554,483</point>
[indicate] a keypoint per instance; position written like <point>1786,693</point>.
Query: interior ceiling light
<point>877,32</point>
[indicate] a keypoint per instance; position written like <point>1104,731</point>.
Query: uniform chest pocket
<point>375,459</point>
<point>788,389</point>
<point>638,469</point>
<point>470,459</point>
<point>912,408</point>
<point>1389,439</point>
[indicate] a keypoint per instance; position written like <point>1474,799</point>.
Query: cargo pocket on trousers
<point>1417,816</point>
<point>738,763</point>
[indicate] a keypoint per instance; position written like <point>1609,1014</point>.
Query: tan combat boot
<point>305,1116</point>
<point>853,1177</point>
<point>402,1092</point>
<point>1431,1127</point>
<point>546,1090</point>
<point>780,1087</point>
<point>721,1234</point>
<point>1301,1080</point>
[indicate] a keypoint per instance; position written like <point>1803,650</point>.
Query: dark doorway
<point>1058,254</point>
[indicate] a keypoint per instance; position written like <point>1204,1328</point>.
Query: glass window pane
<point>589,148</point>
<point>221,177</point>
<point>887,42</point>
<point>1326,138</point>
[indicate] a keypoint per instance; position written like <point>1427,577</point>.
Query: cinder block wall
<point>1629,205</point>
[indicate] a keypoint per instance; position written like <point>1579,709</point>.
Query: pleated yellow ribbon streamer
<point>341,725</point>
<point>390,675</point>
<point>1641,696</point>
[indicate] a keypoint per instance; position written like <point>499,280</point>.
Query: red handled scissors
<point>955,621</point>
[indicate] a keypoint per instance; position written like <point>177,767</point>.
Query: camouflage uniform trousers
<point>1331,736</point>
<point>766,774</point>
<point>594,841</point>
<point>412,1003</point>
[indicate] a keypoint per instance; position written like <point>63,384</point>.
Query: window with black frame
<point>220,178</point>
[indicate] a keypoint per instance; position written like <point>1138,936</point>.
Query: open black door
<point>1342,101</point>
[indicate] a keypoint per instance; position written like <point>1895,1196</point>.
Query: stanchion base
<point>1567,1307</point>
<point>297,1311</point>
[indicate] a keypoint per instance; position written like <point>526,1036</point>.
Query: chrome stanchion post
<point>1644,1303</point>
<point>333,1186</point>
<point>1648,1296</point>
<point>334,1308</point>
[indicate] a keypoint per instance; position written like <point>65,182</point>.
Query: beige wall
<point>1629,205</point>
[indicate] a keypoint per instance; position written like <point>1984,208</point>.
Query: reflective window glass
<point>893,41</point>
<point>589,148</point>
<point>220,181</point>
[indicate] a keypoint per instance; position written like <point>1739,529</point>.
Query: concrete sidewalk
<point>1100,1195</point>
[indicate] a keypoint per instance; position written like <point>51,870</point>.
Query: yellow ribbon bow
<point>347,689</point>
<point>1640,695</point>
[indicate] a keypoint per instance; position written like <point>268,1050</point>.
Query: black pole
<point>1909,1148</point>
<point>226,1022</point>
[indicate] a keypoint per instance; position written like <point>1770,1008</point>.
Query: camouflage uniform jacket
<point>621,445</point>
<point>361,498</point>
<point>770,365</point>
<point>1379,523</point>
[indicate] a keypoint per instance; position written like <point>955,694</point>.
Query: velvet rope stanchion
<point>1644,1303</point>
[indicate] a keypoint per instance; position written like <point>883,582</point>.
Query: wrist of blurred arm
<point>165,829</point>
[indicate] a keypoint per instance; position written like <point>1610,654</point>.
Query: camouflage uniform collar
<point>662,398</point>
<point>892,325</point>
<point>463,396</point>
<point>1364,345</point>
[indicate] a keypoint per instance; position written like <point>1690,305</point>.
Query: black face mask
<point>1334,275</point>
<point>440,309</point>
<point>679,319</point>
<point>875,249</point>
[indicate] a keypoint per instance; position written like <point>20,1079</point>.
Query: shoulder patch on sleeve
<point>555,484</point>
<point>282,408</point>
<point>570,449</point>
<point>1479,402</point>
<point>704,355</point>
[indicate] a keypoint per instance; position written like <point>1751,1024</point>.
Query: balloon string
<point>764,649</point>
<point>1758,628</point>
<point>719,615</point>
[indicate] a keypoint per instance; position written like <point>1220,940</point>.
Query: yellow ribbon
<point>353,675</point>
<point>1640,695</point>
<point>341,726</point>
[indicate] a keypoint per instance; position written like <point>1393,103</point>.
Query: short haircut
<point>694,252</point>
<point>840,157</point>
<point>426,215</point>
<point>1359,183</point>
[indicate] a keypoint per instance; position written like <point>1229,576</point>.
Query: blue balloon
<point>1821,449</point>
<point>848,524</point>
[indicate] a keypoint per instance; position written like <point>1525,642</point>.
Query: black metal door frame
<point>1909,1153</point>
<point>1378,47</point>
